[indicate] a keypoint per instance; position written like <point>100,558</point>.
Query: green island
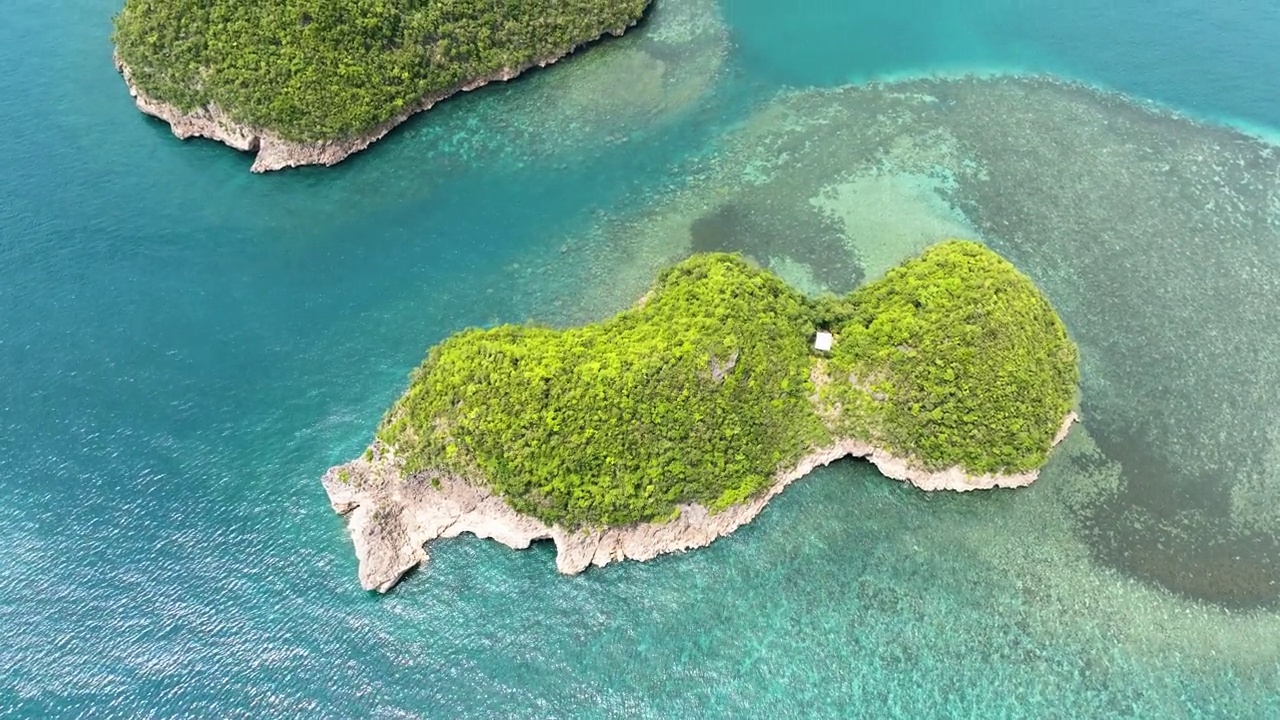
<point>706,389</point>
<point>307,71</point>
<point>674,422</point>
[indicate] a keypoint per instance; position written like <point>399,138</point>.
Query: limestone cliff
<point>274,152</point>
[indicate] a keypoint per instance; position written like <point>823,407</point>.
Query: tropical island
<point>674,422</point>
<point>303,82</point>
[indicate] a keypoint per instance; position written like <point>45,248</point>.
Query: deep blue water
<point>184,348</point>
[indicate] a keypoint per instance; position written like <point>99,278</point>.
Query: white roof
<point>823,341</point>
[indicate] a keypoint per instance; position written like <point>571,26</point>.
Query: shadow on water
<point>1175,530</point>
<point>734,228</point>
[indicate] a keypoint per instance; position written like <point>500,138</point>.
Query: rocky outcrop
<point>391,518</point>
<point>275,152</point>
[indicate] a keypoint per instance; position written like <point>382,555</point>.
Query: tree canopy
<point>698,395</point>
<point>954,358</point>
<point>706,389</point>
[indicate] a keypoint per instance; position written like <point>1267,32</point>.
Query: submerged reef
<point>1156,236</point>
<point>619,93</point>
<point>674,422</point>
<point>303,83</point>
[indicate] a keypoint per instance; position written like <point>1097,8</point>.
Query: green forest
<point>704,390</point>
<point>954,358</point>
<point>312,70</point>
<point>698,395</point>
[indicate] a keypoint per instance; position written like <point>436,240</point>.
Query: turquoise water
<point>1204,58</point>
<point>184,348</point>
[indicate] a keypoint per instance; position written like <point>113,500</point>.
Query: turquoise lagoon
<point>185,347</point>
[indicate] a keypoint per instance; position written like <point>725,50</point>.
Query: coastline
<point>392,519</point>
<point>276,153</point>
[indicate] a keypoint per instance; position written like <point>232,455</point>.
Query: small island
<point>674,422</point>
<point>302,82</point>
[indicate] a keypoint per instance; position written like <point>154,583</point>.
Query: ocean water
<point>185,347</point>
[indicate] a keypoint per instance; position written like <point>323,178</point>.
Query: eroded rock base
<point>392,518</point>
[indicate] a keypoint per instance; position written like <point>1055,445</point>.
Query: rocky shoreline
<point>277,153</point>
<point>392,518</point>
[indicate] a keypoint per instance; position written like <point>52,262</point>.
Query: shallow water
<point>185,347</point>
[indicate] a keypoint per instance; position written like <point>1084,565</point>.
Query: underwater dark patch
<point>801,235</point>
<point>1171,526</point>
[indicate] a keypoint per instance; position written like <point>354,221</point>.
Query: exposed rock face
<point>391,518</point>
<point>277,153</point>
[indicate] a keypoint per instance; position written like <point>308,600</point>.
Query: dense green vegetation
<point>698,395</point>
<point>954,358</point>
<point>322,69</point>
<point>704,391</point>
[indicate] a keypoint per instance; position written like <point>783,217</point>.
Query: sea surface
<point>186,347</point>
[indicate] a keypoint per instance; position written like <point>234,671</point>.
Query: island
<point>676,421</point>
<point>304,82</point>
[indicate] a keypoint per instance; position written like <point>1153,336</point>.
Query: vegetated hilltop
<point>699,394</point>
<point>954,358</point>
<point>708,390</point>
<point>311,70</point>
